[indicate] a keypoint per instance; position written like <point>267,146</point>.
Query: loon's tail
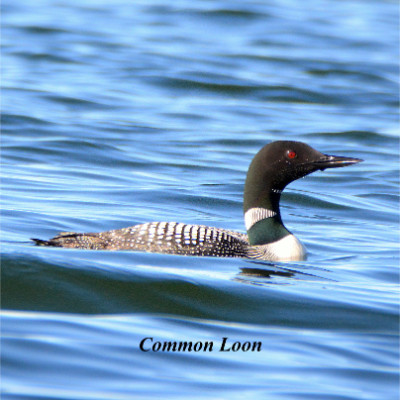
<point>40,242</point>
<point>73,240</point>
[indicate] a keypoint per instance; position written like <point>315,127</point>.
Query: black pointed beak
<point>327,161</point>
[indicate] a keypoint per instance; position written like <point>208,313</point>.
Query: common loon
<point>273,167</point>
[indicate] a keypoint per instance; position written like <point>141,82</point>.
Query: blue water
<point>118,113</point>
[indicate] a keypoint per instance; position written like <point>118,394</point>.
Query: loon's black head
<point>281,162</point>
<point>284,161</point>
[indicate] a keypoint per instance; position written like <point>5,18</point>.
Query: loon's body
<point>274,166</point>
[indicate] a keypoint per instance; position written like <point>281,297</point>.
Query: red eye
<point>291,154</point>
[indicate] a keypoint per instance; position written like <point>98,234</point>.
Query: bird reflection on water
<point>268,272</point>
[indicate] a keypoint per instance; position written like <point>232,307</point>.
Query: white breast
<point>288,248</point>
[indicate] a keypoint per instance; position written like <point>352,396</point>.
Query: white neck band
<point>256,214</point>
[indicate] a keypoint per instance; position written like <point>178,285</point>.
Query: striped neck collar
<point>264,226</point>
<point>257,214</point>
